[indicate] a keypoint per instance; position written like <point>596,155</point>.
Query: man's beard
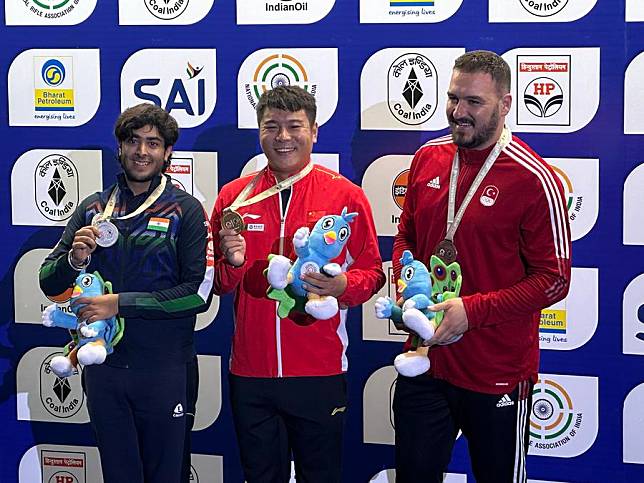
<point>481,135</point>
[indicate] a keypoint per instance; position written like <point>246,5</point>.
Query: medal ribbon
<point>111,203</point>
<point>282,185</point>
<point>454,221</point>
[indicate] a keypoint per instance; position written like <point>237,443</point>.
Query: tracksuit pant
<point>275,417</point>
<point>429,412</point>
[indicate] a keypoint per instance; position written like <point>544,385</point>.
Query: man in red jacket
<point>481,197</point>
<point>287,383</point>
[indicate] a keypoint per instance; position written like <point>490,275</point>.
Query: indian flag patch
<point>159,224</point>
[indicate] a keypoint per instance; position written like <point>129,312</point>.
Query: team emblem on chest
<point>489,195</point>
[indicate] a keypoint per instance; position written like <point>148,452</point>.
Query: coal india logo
<point>554,421</point>
<point>61,397</point>
<point>56,190</point>
<point>50,8</point>
<point>543,97</point>
<point>278,70</point>
<point>543,8</point>
<point>412,85</point>
<point>166,9</point>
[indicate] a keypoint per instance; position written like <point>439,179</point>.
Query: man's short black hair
<point>487,62</point>
<point>287,98</point>
<point>146,114</point>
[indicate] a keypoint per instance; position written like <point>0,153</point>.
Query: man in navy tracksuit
<point>161,269</point>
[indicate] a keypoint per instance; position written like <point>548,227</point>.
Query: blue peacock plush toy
<point>91,342</point>
<point>314,251</point>
<point>419,289</point>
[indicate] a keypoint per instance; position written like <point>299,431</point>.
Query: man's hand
<point>321,284</point>
<point>96,308</point>
<point>454,321</point>
<point>84,243</point>
<point>233,247</point>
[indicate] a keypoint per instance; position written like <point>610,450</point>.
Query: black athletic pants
<point>276,416</point>
<point>138,417</point>
<point>428,413</point>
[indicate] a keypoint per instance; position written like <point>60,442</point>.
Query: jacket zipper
<point>278,321</point>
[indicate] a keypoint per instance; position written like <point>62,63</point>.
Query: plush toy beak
<point>330,237</point>
<point>77,291</point>
<point>401,286</point>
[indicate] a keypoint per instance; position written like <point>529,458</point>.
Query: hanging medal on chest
<point>108,234</point>
<point>446,251</point>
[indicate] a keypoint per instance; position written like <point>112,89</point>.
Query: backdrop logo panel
<point>43,396</point>
<point>556,89</point>
<point>49,463</point>
<point>633,95</point>
<point>209,396</point>
<point>182,81</point>
<point>206,469</point>
<point>163,12</point>
<point>633,317</point>
<point>47,185</point>
<point>377,398</point>
<point>407,11</point>
<point>315,70</point>
<point>282,11</point>
<point>404,89</point>
<point>54,88</point>
<point>634,11</point>
<point>564,418</point>
<point>580,181</point>
<point>633,229</point>
<point>572,322</point>
<point>539,10</point>
<point>381,329</point>
<point>47,12</point>
<point>328,160</point>
<point>633,437</point>
<point>387,174</point>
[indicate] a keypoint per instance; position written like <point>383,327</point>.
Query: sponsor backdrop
<point>379,70</point>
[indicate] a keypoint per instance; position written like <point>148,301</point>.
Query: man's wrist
<point>78,266</point>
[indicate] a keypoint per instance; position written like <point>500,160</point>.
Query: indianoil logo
<point>399,188</point>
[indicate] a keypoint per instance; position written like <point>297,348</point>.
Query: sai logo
<point>166,9</point>
<point>54,84</point>
<point>412,86</point>
<point>56,187</point>
<point>543,8</point>
<point>278,70</point>
<point>60,397</point>
<point>544,82</point>
<point>399,190</point>
<point>183,82</point>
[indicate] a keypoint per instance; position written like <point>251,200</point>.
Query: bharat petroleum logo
<point>53,72</point>
<point>543,97</point>
<point>399,188</point>
<point>278,70</point>
<point>553,422</point>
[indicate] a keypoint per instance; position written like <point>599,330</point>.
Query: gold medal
<point>231,220</point>
<point>446,251</point>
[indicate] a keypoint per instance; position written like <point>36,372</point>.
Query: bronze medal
<point>231,220</point>
<point>446,251</point>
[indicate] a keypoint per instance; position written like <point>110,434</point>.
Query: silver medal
<point>107,232</point>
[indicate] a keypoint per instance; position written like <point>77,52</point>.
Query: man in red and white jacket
<point>513,246</point>
<point>287,378</point>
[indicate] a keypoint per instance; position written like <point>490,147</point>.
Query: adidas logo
<point>435,183</point>
<point>341,409</point>
<point>177,412</point>
<point>505,401</point>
